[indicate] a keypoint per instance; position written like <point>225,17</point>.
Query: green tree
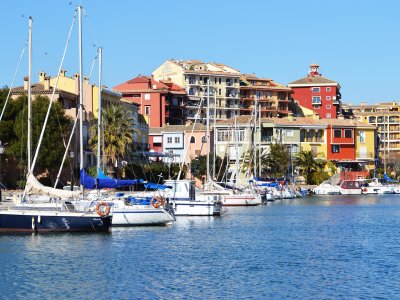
<point>52,147</point>
<point>199,166</point>
<point>117,134</point>
<point>277,160</point>
<point>310,164</point>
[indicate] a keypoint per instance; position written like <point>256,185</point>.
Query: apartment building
<point>208,85</point>
<point>386,117</point>
<point>318,93</point>
<point>159,102</point>
<point>265,96</point>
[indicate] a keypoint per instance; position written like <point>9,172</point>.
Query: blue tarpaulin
<point>157,186</point>
<point>90,182</point>
<point>388,179</point>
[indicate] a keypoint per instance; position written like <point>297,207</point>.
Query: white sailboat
<point>50,217</point>
<point>125,213</point>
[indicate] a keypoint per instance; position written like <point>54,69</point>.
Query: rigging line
<point>195,119</point>
<point>51,101</point>
<point>12,83</point>
<point>84,93</point>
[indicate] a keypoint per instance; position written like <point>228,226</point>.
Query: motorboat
<point>374,186</point>
<point>326,188</point>
<point>351,187</point>
<point>186,201</point>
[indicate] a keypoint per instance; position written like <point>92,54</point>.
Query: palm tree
<point>117,134</point>
<point>310,163</point>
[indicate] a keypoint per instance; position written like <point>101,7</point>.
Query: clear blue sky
<point>356,43</point>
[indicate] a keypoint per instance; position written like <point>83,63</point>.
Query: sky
<point>356,43</point>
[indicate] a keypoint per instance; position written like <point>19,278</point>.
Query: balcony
<point>311,140</point>
<point>365,155</point>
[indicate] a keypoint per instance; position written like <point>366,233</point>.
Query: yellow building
<point>386,117</point>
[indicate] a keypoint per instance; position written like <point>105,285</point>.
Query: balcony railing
<point>365,155</point>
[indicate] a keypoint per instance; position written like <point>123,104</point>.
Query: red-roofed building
<point>318,93</point>
<point>160,102</point>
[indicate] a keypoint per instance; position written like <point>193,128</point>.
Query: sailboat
<point>126,210</point>
<point>57,216</point>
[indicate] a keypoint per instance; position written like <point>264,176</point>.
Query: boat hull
<point>141,217</point>
<point>44,221</point>
<point>239,200</point>
<point>195,208</point>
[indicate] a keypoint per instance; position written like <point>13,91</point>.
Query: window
<point>328,98</point>
<point>219,81</point>
<point>147,110</point>
<point>337,133</point>
<point>335,148</point>
<point>192,140</point>
<point>146,96</point>
<point>169,140</point>
<point>224,136</point>
<point>362,136</point>
<point>316,100</point>
<point>215,80</point>
<point>348,133</point>
<point>289,133</point>
<point>220,91</point>
<point>136,96</point>
<point>328,115</point>
<point>316,89</point>
<point>177,140</point>
<point>328,89</point>
<point>328,106</point>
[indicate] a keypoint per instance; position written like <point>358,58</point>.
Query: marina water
<point>333,247</point>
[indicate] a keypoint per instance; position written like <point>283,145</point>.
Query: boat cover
<point>33,186</point>
<point>90,182</point>
<point>156,186</point>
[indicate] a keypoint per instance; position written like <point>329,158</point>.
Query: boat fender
<point>33,223</point>
<point>157,201</point>
<point>364,189</point>
<point>39,219</point>
<point>103,209</point>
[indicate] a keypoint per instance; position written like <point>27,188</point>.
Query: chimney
<point>290,117</point>
<point>26,79</point>
<point>42,76</point>
<point>47,83</point>
<point>76,76</point>
<point>340,117</point>
<point>62,72</point>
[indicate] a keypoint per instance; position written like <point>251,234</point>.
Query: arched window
<point>192,140</point>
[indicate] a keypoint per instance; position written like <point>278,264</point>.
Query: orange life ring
<point>103,209</point>
<point>157,201</point>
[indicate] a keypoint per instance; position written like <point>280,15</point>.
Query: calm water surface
<point>336,247</point>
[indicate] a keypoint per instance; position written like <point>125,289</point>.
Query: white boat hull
<point>241,200</point>
<point>140,216</point>
<point>183,207</point>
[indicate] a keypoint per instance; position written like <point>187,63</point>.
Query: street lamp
<point>71,155</point>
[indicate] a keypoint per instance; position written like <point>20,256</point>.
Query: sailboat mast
<point>29,138</point>
<point>215,135</point>
<point>208,129</point>
<point>80,91</point>
<point>100,50</point>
